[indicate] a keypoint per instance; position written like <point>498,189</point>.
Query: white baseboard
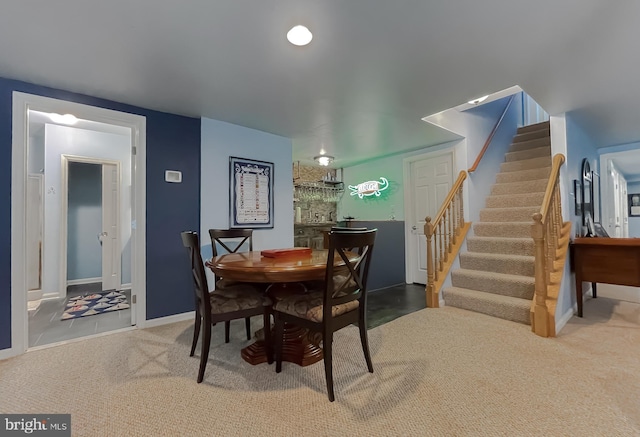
<point>125,286</point>
<point>8,353</point>
<point>34,295</point>
<point>83,281</point>
<point>53,295</point>
<point>169,319</point>
<point>565,318</point>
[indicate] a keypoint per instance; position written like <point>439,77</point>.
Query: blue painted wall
<point>387,260</point>
<point>479,183</point>
<point>84,221</point>
<point>173,142</point>
<point>221,140</point>
<point>579,146</point>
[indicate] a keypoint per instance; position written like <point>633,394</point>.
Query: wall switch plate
<point>173,176</point>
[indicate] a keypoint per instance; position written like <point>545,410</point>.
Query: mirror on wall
<point>587,192</point>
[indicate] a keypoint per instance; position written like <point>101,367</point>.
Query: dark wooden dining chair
<point>232,241</point>
<point>220,305</point>
<point>341,301</point>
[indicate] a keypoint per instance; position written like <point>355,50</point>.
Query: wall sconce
<point>324,160</point>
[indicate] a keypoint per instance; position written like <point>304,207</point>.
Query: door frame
<point>22,103</point>
<point>64,237</point>
<point>409,242</point>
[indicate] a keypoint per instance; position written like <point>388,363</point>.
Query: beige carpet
<point>443,372</point>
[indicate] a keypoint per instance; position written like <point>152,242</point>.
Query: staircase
<point>496,274</point>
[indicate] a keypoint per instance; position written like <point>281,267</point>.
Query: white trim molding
<point>182,317</point>
<point>22,103</point>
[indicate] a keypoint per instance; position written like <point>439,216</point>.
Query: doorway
<point>620,179</point>
<point>428,180</point>
<point>33,154</point>
<point>91,222</point>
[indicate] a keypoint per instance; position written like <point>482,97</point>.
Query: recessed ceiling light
<point>324,160</point>
<point>478,100</point>
<point>69,119</point>
<point>299,36</point>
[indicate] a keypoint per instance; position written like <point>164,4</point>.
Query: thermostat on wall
<point>173,176</point>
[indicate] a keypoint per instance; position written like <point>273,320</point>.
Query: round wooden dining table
<point>286,274</point>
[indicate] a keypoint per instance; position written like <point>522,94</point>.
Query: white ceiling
<point>360,89</point>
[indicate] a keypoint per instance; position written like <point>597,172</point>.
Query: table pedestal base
<point>298,346</point>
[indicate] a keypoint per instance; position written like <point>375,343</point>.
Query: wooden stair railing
<point>449,230</point>
<point>547,231</point>
<point>490,137</point>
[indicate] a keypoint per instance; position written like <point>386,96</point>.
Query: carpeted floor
<point>443,372</point>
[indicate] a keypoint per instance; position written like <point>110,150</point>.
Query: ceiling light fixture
<point>299,36</point>
<point>68,119</point>
<point>478,100</point>
<point>324,160</point>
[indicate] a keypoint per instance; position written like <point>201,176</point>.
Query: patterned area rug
<point>94,303</point>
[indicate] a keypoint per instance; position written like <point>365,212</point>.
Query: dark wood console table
<point>605,260</point>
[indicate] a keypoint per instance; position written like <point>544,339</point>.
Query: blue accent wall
<point>173,142</point>
<point>387,261</point>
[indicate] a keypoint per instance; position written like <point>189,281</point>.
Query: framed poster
<point>250,193</point>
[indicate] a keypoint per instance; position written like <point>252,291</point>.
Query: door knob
<point>414,227</point>
<point>102,235</point>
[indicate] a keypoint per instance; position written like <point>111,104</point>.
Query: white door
<point>624,212</point>
<point>430,181</point>
<point>34,236</point>
<point>109,238</point>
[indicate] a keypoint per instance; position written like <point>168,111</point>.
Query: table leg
<point>594,291</point>
<point>579,291</point>
<point>299,346</point>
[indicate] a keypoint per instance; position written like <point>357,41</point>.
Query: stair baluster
<point>448,224</point>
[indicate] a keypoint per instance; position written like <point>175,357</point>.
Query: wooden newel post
<point>432,297</point>
<point>540,319</point>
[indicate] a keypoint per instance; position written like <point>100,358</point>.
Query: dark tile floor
<point>45,326</point>
<point>387,304</point>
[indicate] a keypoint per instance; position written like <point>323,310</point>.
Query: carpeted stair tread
<point>504,307</point>
<point>531,144</point>
<point>526,164</point>
<point>513,246</point>
<point>524,175</point>
<point>528,154</point>
<point>505,200</point>
<point>502,229</point>
<point>543,125</point>
<point>522,287</point>
<point>512,214</point>
<point>498,263</point>
<point>525,187</point>
<point>540,133</point>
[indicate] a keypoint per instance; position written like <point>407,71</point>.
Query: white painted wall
<point>61,140</point>
<point>221,140</point>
